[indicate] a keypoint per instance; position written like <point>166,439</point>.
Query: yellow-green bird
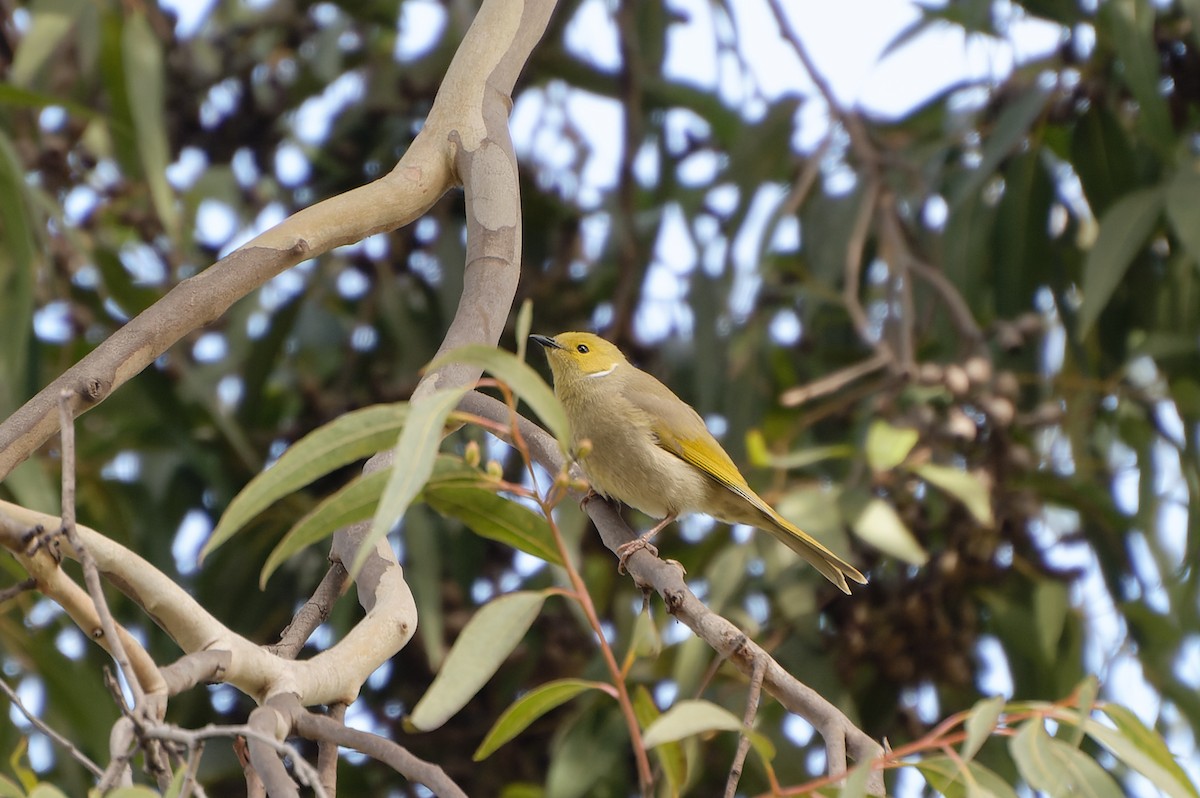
<point>652,451</point>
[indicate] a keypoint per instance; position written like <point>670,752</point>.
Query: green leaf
<point>142,791</point>
<point>1124,229</point>
<point>880,525</point>
<point>9,788</point>
<point>18,267</point>
<point>523,326</point>
<point>496,518</point>
<point>1141,749</point>
<point>1131,24</point>
<point>887,446</point>
<point>965,486</point>
<point>1058,768</point>
<point>972,780</point>
<point>670,756</point>
<point>1010,129</point>
<point>855,785</point>
<point>412,463</point>
<point>350,437</point>
<point>1029,749</point>
<point>50,22</point>
<point>980,724</point>
<point>1103,157</point>
<point>521,378</point>
<point>482,646</point>
<point>142,57</point>
<point>1050,605</point>
<point>691,717</point>
<point>531,706</point>
<point>354,502</point>
<point>687,718</point>
<point>1086,691</point>
<point>759,455</point>
<point>1183,210</point>
<point>25,98</point>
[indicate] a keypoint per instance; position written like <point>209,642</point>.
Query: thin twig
<point>313,613</point>
<point>581,595</point>
<point>831,383</point>
<point>45,729</point>
<point>91,574</point>
<point>739,759</point>
<point>12,591</point>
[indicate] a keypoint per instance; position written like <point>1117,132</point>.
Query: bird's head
<point>576,356</point>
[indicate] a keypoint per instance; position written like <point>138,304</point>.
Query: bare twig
<point>12,591</point>
<point>831,383</point>
<point>47,730</point>
<point>327,751</point>
<point>739,759</point>
<point>314,612</point>
<point>312,726</point>
<point>91,573</point>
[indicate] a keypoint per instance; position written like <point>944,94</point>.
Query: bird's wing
<point>687,437</point>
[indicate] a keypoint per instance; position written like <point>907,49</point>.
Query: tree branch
<point>841,736</point>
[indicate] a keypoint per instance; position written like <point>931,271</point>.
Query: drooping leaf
<point>413,459</point>
<point>350,437</point>
<point>690,717</point>
<point>481,648</point>
<point>521,378</point>
<point>670,755</point>
<point>759,455</point>
<point>887,446</point>
<point>980,724</point>
<point>880,525</point>
<point>531,706</point>
<point>354,502</point>
<point>523,326</point>
<point>1131,25</point>
<point>50,22</point>
<point>1057,768</point>
<point>970,780</point>
<point>1011,127</point>
<point>496,518</point>
<point>697,716</point>
<point>1124,229</point>
<point>142,55</point>
<point>965,486</point>
<point>1050,604</point>
<point>1183,210</point>
<point>1141,749</point>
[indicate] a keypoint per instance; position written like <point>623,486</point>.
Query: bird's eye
<point>582,349</point>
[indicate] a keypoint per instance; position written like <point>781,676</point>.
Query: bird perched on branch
<point>652,451</point>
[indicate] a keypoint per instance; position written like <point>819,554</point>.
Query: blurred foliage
<point>1061,204</point>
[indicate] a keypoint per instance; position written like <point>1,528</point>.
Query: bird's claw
<point>627,550</point>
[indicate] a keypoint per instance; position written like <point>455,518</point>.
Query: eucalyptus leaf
<point>965,486</point>
<point>481,648</point>
<point>413,459</point>
<point>529,707</point>
<point>347,438</point>
<point>880,525</point>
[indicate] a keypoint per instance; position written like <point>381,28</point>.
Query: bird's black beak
<point>546,341</point>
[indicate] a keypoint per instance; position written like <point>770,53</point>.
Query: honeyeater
<point>652,451</point>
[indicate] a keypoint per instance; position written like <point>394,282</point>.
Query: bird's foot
<point>627,550</point>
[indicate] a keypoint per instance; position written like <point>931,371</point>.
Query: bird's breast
<point>627,464</point>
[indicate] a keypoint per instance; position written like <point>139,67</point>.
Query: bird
<point>651,450</point>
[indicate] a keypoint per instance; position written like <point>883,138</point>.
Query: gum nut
<point>957,380</point>
<point>979,370</point>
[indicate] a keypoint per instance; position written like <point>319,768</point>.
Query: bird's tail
<point>831,566</point>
